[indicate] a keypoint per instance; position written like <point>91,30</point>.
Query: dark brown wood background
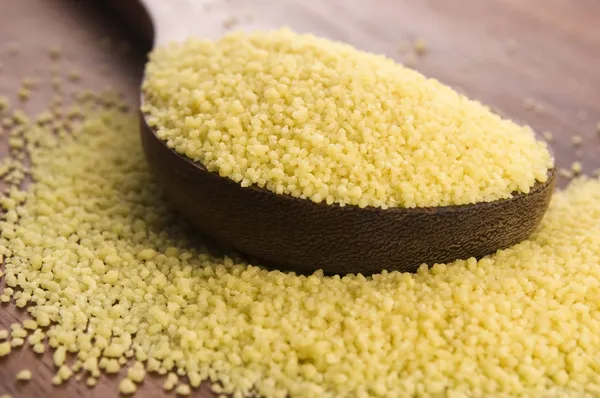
<point>507,53</point>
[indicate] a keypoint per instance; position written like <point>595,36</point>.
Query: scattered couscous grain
<point>321,120</point>
<point>24,94</point>
<point>55,52</point>
<point>420,47</point>
<point>5,348</point>
<point>4,334</point>
<point>29,83</point>
<point>105,267</point>
<point>576,168</point>
<point>30,324</point>
<point>4,103</point>
<point>170,382</point>
<point>59,356</point>
<point>76,366</point>
<point>548,136</point>
<point>230,22</point>
<point>39,348</point>
<point>18,333</point>
<point>534,105</point>
<point>137,373</point>
<point>183,389</point>
<point>598,127</point>
<point>566,173</point>
<point>577,140</point>
<point>64,372</point>
<point>127,387</point>
<point>36,337</point>
<point>24,375</point>
<point>112,366</point>
<point>74,76</point>
<point>6,396</point>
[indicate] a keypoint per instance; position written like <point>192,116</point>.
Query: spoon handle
<point>176,20</point>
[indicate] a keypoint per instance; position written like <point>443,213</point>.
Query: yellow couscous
<point>24,375</point>
<point>106,269</point>
<point>317,119</point>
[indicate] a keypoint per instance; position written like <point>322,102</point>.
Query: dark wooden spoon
<point>306,236</point>
<point>299,234</point>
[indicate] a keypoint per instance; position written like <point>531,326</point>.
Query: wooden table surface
<point>537,62</point>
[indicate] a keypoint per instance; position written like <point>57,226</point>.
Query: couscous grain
<point>230,22</point>
<point>24,375</point>
<point>55,52</point>
<point>137,373</point>
<point>4,102</point>
<point>17,342</point>
<point>421,47</point>
<point>548,136</point>
<point>127,387</point>
<point>105,267</point>
<point>317,119</point>
<point>183,390</point>
<point>5,348</point>
<point>74,76</point>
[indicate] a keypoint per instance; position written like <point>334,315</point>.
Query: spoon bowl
<point>305,236</point>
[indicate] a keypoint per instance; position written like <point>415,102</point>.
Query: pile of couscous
<point>111,278</point>
<point>317,119</point>
<point>109,274</point>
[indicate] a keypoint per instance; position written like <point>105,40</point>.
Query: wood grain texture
<point>499,51</point>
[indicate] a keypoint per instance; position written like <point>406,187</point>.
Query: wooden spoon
<point>299,234</point>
